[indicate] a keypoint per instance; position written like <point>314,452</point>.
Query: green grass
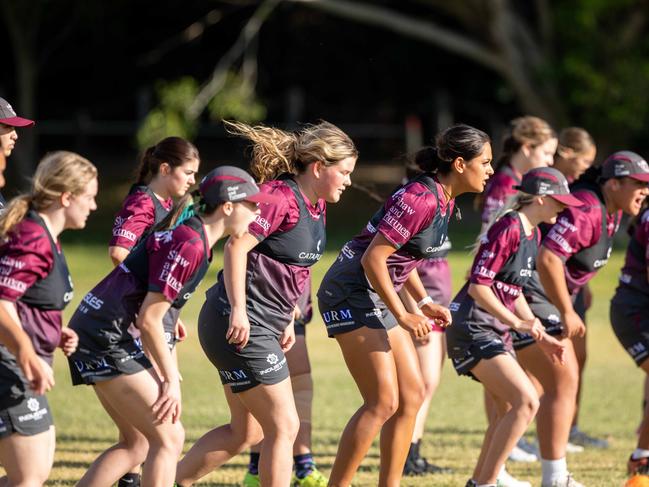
<point>611,404</point>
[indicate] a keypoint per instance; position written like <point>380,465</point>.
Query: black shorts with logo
<point>28,415</point>
<point>261,361</point>
<point>629,314</point>
<point>467,345</point>
<point>125,358</point>
<point>343,318</point>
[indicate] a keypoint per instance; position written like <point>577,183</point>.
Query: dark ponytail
<point>175,151</point>
<point>456,141</point>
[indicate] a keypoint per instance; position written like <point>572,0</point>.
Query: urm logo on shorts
<point>337,315</point>
<point>233,375</point>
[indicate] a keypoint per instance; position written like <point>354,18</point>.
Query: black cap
<point>547,181</point>
<point>229,183</point>
<point>9,117</point>
<point>625,163</point>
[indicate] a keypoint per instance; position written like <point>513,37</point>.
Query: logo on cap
<point>233,194</point>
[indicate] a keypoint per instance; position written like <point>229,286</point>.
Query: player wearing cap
<point>630,320</point>
<point>246,323</point>
<point>9,121</point>
<point>575,248</point>
<point>361,308</point>
<point>34,289</point>
<point>167,170</point>
<point>163,270</point>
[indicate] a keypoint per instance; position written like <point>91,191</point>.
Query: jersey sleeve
<point>272,217</point>
<point>133,220</point>
<point>575,229</point>
<point>406,213</point>
<point>172,262</point>
<point>502,240</point>
<point>24,262</point>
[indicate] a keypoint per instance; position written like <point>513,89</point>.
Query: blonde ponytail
<point>57,173</point>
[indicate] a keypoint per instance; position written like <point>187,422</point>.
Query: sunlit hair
<point>527,130</point>
<point>58,173</point>
<point>574,141</point>
<point>276,151</point>
<point>514,203</point>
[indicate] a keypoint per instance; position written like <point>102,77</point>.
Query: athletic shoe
<point>251,480</point>
<point>529,447</point>
<point>506,480</point>
<point>519,455</point>
<point>568,481</point>
<point>425,467</point>
<point>314,479</point>
<point>412,469</point>
<point>639,466</point>
<point>578,437</point>
<point>574,448</point>
<point>471,483</point>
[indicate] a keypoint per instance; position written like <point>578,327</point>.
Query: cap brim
<point>266,198</point>
<point>567,199</point>
<point>17,122</point>
<point>643,176</point>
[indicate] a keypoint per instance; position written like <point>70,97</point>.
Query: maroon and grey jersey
<point>634,272</point>
<point>141,210</point>
<point>504,261</point>
<point>499,189</point>
<point>414,220</point>
<point>174,259</point>
<point>583,238</point>
<point>277,274</point>
<point>34,276</point>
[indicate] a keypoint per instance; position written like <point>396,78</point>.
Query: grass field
<point>611,405</point>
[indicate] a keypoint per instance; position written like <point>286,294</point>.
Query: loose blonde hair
<point>57,173</point>
<point>276,151</point>
<point>526,130</point>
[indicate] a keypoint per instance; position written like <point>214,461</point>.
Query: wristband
<point>425,301</point>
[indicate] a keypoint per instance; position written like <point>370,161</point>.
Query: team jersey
<point>414,220</point>
<point>500,188</point>
<point>34,276</point>
<point>292,238</point>
<point>583,237</point>
<point>176,261</point>
<point>634,271</point>
<point>141,210</point>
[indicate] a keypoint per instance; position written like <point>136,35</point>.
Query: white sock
<point>502,472</point>
<point>554,470</point>
<point>639,453</point>
<point>487,485</point>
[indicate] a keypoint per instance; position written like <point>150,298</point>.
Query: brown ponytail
<point>175,151</point>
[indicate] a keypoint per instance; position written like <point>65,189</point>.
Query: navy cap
<point>229,183</point>
<point>625,164</point>
<point>547,181</point>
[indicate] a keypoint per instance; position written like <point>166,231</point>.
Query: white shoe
<point>573,448</point>
<point>506,480</point>
<point>520,455</point>
<point>568,481</point>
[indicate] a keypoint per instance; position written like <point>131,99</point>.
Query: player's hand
<point>239,329</point>
<point>38,373</point>
<point>69,341</point>
<point>415,324</point>
<point>534,327</point>
<point>168,406</point>
<point>181,331</point>
<point>438,313</point>
<point>287,338</point>
<point>297,313</point>
<point>553,348</point>
<point>573,325</point>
